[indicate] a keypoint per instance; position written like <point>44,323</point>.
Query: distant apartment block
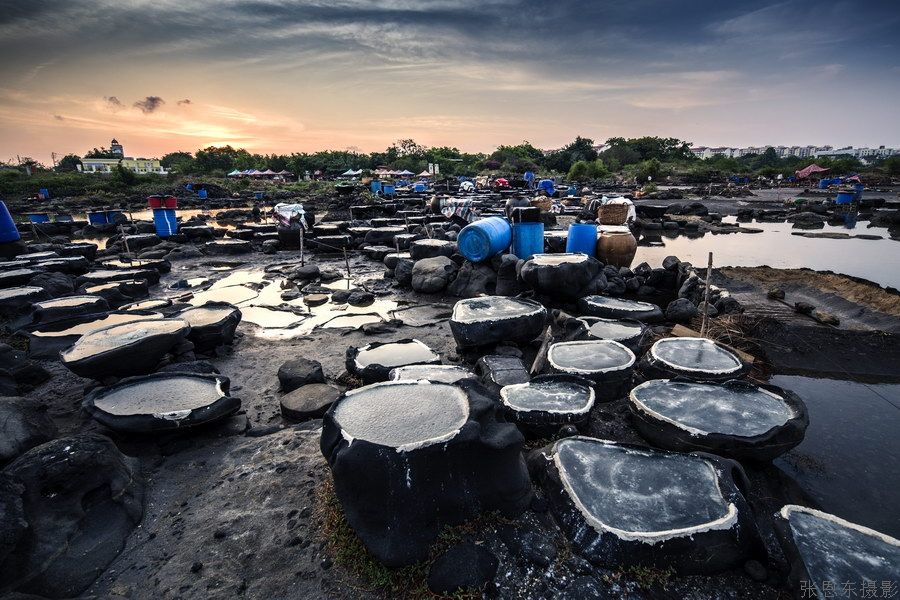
<point>864,154</point>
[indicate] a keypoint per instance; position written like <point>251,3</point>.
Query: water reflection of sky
<point>875,260</point>
<point>849,462</point>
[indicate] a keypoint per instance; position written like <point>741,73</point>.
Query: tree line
<point>643,158</point>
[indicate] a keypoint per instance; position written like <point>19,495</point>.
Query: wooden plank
<point>682,331</point>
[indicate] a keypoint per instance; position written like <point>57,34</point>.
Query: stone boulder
<point>430,248</point>
<point>121,350</point>
<point>23,425</point>
<point>409,458</point>
<point>464,566</point>
<point>81,498</point>
<point>473,280</point>
<point>432,275</point>
<point>681,310</point>
<point>299,372</point>
<point>308,401</point>
<point>701,524</point>
<point>560,275</point>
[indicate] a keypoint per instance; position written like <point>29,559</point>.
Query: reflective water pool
<point>775,246</point>
<point>849,461</point>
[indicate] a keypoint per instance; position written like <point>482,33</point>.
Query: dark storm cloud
<point>149,104</point>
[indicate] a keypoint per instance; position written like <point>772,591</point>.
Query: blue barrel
<point>483,239</point>
<point>859,190</point>
<point>375,186</point>
<point>201,194</point>
<point>845,198</point>
<point>38,217</point>
<point>164,220</point>
<point>420,187</point>
<point>527,239</point>
<point>44,193</point>
<point>388,189</point>
<point>824,183</point>
<point>8,231</point>
<point>582,238</point>
<point>97,218</point>
<point>112,216</point>
<point>259,195</point>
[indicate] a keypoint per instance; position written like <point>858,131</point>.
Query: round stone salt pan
<point>560,397</point>
<point>836,550</point>
<point>614,308</point>
<point>493,308</point>
<point>637,495</point>
<point>103,340</point>
<point>68,302</point>
<point>162,397</point>
<point>395,354</point>
<point>703,409</point>
<point>438,373</point>
<point>404,415</point>
<point>109,320</point>
<point>613,329</point>
<point>590,357</point>
<point>562,258</point>
<point>204,316</point>
<point>696,355</point>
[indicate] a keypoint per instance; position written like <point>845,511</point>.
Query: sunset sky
<point>308,75</point>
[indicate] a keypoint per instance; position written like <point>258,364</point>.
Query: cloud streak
<point>150,104</point>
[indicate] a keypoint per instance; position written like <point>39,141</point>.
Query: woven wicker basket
<point>612,214</point>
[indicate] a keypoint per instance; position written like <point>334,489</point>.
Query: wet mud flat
<point>244,507</point>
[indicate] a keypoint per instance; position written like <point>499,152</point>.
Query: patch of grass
<point>648,577</point>
<point>404,583</point>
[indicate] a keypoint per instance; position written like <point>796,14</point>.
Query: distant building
<point>864,154</point>
<point>141,166</point>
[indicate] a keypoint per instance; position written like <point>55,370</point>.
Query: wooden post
<point>705,305</point>
<point>125,241</point>
<point>302,236</point>
<point>347,263</point>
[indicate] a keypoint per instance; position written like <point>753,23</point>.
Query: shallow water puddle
<point>875,260</point>
<point>848,461</point>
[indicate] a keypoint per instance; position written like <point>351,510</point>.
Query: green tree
<point>579,171</point>
<point>179,162</point>
<point>563,159</point>
<point>100,153</point>
<point>891,165</point>
<point>597,170</point>
<point>69,162</point>
<point>124,176</point>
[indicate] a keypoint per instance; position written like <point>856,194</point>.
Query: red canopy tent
<point>813,168</point>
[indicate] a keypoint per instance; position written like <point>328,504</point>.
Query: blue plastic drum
<point>165,222</point>
<point>582,238</point>
<point>527,239</point>
<point>483,239</point>
<point>8,230</point>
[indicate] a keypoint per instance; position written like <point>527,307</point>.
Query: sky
<point>352,74</point>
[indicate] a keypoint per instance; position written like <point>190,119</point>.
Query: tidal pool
<point>848,462</point>
<point>775,246</point>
